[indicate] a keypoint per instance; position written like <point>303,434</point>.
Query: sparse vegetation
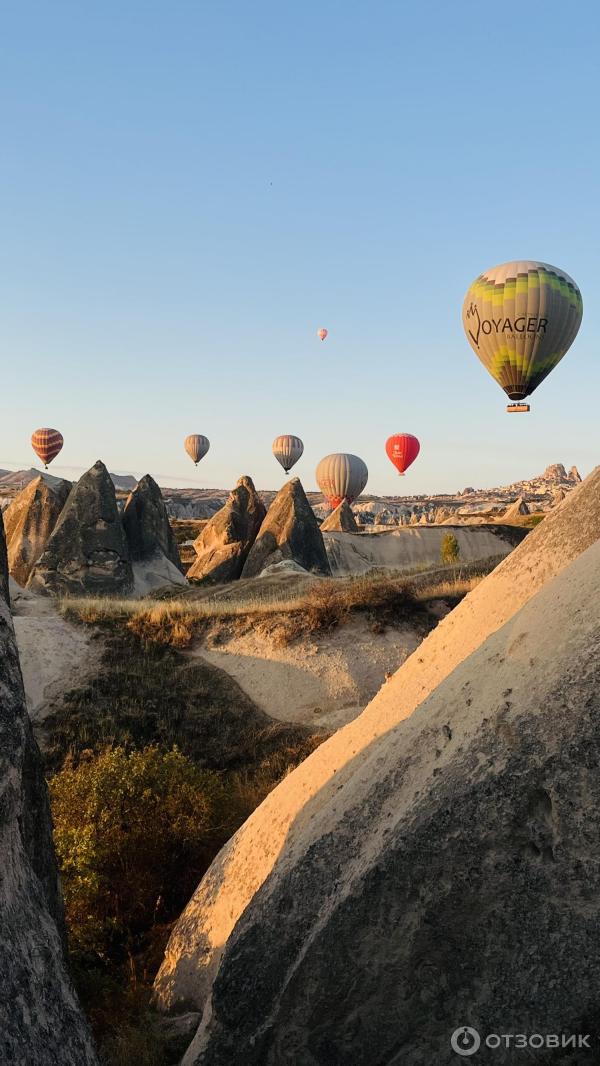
<point>124,799</point>
<point>134,832</point>
<point>450,550</point>
<point>388,597</point>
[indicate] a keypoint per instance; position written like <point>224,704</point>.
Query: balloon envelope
<point>341,476</point>
<point>287,450</point>
<point>402,450</point>
<point>520,318</point>
<point>46,444</point>
<point>321,334</point>
<point>196,445</point>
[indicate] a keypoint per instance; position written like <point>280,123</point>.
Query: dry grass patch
<point>279,612</point>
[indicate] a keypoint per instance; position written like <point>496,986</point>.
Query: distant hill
<point>12,481</point>
<point>538,494</point>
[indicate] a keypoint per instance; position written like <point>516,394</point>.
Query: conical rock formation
<point>223,545</point>
<point>87,552</point>
<point>341,520</point>
<point>152,545</point>
<point>40,1018</point>
<point>28,523</point>
<point>516,510</point>
<point>308,809</point>
<point>289,531</point>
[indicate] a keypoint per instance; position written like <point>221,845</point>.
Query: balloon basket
<point>518,408</point>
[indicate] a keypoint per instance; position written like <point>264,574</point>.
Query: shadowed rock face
<point>289,531</point>
<point>147,525</point>
<point>87,552</point>
<point>40,1019</point>
<point>341,520</point>
<point>223,545</point>
<point>451,877</point>
<point>28,523</point>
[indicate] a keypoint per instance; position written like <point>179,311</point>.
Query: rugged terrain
<point>424,840</point>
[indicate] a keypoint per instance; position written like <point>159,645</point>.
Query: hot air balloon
<point>341,476</point>
<point>196,445</point>
<point>402,450</point>
<point>46,444</point>
<point>287,450</point>
<point>520,319</point>
<point>322,333</point>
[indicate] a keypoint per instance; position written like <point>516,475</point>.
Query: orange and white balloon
<point>46,444</point>
<point>322,333</point>
<point>341,476</point>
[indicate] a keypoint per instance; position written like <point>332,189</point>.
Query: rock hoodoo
<point>516,510</point>
<point>223,545</point>
<point>289,531</point>
<point>473,775</point>
<point>87,552</point>
<point>41,1020</point>
<point>29,521</point>
<point>152,545</point>
<point>341,520</point>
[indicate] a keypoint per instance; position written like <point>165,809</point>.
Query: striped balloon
<point>196,445</point>
<point>520,319</point>
<point>287,450</point>
<point>46,444</point>
<point>322,333</point>
<point>341,476</point>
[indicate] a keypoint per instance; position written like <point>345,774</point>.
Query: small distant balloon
<point>341,476</point>
<point>322,333</point>
<point>196,445</point>
<point>402,450</point>
<point>287,449</point>
<point>46,444</point>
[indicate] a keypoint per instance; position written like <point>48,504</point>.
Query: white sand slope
<point>55,655</point>
<point>323,681</point>
<point>408,546</point>
<point>195,947</point>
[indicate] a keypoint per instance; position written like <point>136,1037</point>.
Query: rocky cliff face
<point>40,1019</point>
<point>87,552</point>
<point>223,545</point>
<point>29,522</point>
<point>449,833</point>
<point>289,531</point>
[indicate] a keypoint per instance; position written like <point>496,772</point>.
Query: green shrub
<point>133,833</point>
<point>450,551</point>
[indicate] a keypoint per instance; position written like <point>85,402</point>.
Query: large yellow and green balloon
<point>520,318</point>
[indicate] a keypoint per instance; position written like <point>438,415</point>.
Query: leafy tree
<point>450,551</point>
<point>133,833</point>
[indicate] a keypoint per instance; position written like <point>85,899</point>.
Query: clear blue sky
<point>189,190</point>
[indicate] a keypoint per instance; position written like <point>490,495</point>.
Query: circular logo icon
<point>465,1041</point>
